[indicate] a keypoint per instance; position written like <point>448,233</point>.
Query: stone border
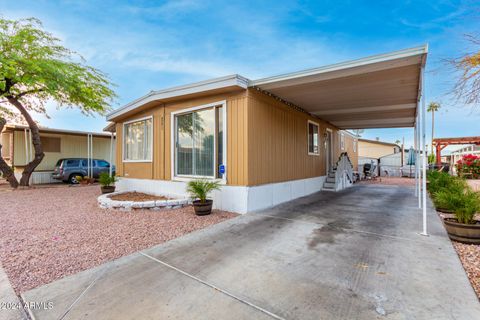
<point>105,202</point>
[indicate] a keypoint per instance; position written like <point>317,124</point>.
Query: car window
<point>102,164</point>
<point>84,163</point>
<point>73,163</point>
<point>59,163</point>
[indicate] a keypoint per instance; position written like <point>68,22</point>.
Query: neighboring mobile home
<point>17,148</point>
<point>267,141</point>
<point>376,148</point>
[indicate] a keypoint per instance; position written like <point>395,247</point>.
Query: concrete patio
<point>354,254</point>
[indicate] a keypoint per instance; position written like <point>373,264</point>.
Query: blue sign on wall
<point>221,169</point>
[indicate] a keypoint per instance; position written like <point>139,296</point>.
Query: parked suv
<point>68,169</point>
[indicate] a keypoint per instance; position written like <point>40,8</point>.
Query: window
<point>313,142</point>
<point>137,137</point>
<point>50,144</point>
<point>355,145</point>
<point>342,141</point>
<point>73,163</point>
<point>199,142</point>
<point>103,164</point>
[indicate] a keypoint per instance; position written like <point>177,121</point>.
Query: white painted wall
<point>240,199</point>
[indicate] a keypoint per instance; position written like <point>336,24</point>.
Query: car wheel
<point>73,178</point>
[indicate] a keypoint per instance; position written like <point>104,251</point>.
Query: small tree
<point>433,107</point>
<point>467,86</point>
<point>34,69</point>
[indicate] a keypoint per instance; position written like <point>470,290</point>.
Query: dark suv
<point>69,168</point>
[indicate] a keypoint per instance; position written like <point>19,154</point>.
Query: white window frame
<point>308,140</point>
<point>355,142</point>
<point>342,141</point>
<point>151,139</point>
<point>173,137</point>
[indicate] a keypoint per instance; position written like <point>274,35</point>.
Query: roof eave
<point>197,87</point>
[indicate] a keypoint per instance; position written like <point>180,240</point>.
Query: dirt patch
<point>136,196</point>
<point>47,234</point>
<point>470,256</point>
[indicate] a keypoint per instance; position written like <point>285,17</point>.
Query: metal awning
<point>380,91</point>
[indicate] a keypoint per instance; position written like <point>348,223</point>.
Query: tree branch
<point>21,94</point>
<point>37,144</point>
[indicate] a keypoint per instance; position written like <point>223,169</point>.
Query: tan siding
<point>161,167</point>
<point>71,146</point>
<point>267,141</point>
<point>278,142</point>
<point>6,145</point>
<point>349,149</point>
<point>119,150</point>
<point>374,150</point>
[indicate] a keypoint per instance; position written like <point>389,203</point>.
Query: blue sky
<point>148,45</point>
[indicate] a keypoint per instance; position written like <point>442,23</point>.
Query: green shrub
<point>464,203</point>
<point>199,189</point>
<point>106,180</point>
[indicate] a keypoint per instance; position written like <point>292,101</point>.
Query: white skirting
<point>240,199</point>
<point>40,177</point>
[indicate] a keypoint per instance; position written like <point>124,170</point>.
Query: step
<point>330,179</point>
<point>329,185</point>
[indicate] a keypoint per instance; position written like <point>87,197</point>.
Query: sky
<point>152,45</point>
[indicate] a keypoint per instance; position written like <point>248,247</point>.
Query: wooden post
<point>439,151</point>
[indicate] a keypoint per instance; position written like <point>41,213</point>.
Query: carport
<point>381,91</point>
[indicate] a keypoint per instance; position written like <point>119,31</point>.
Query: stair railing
<point>344,172</point>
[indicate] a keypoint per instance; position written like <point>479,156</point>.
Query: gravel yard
<point>470,256</point>
<point>49,233</point>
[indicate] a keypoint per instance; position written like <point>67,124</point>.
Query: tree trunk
<point>4,167</point>
<point>433,126</point>
<point>37,144</point>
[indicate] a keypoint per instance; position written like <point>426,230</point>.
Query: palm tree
<point>433,107</point>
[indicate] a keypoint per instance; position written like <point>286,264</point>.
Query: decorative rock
<point>148,204</point>
<point>105,202</point>
<point>160,203</point>
<point>137,205</point>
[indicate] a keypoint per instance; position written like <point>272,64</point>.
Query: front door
<point>329,151</point>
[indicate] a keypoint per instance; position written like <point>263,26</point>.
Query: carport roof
<point>380,91</point>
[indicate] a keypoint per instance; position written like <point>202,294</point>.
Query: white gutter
<point>202,86</point>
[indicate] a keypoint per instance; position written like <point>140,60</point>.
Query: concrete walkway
<point>10,306</point>
<point>354,254</point>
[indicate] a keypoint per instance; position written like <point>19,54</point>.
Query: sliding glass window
<point>199,143</point>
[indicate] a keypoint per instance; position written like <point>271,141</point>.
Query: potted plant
<point>199,190</point>
<point>107,182</point>
<point>465,204</point>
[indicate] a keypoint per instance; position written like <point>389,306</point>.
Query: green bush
<point>199,189</point>
<point>464,204</point>
<point>106,180</point>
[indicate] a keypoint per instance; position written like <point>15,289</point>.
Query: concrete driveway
<point>354,254</point>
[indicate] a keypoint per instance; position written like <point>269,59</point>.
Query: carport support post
<point>424,158</point>
<point>419,148</point>
<point>416,160</point>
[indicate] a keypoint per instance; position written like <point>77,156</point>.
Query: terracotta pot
<point>466,233</point>
<point>107,189</point>
<point>202,208</point>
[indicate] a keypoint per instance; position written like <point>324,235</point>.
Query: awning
<point>380,91</point>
